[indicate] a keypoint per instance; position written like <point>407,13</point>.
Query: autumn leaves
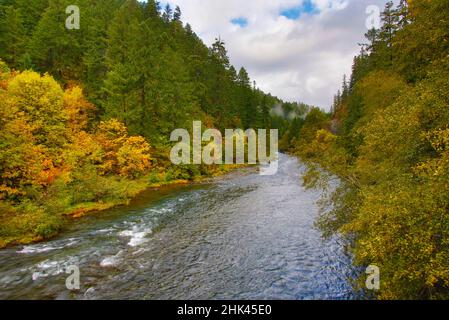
<point>45,136</point>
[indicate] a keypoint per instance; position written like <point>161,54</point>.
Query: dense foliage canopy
<point>387,140</point>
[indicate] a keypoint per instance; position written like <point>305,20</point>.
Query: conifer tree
<point>177,14</point>
<point>167,16</point>
<point>12,35</point>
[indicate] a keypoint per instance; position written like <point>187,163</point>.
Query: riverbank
<point>239,236</point>
<point>10,223</point>
<point>89,208</point>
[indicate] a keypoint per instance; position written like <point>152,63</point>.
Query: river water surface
<point>244,236</point>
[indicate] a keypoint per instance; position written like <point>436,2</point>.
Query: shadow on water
<point>244,236</point>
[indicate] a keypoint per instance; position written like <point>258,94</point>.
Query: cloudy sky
<point>297,50</point>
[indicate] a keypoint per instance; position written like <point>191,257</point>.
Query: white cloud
<point>296,60</point>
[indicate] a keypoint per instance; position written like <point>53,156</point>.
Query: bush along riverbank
<point>55,165</point>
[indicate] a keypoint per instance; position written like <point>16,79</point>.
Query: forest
<point>86,115</point>
<point>387,141</point>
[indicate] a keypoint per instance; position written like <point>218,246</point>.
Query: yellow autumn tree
<point>123,155</point>
<point>40,100</point>
<point>111,135</point>
<point>134,157</point>
<point>77,108</point>
<point>22,158</point>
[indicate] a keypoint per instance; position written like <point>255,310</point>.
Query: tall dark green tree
<point>12,35</point>
<point>167,16</point>
<point>177,14</point>
<point>124,63</point>
<point>31,12</point>
<point>54,48</point>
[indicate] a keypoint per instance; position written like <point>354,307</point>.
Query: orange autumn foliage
<point>77,108</point>
<point>44,136</point>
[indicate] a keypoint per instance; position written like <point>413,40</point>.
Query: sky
<point>297,50</point>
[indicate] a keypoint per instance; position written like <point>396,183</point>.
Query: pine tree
<point>243,78</point>
<point>220,53</point>
<point>373,37</point>
<point>97,16</point>
<point>31,12</point>
<point>345,88</point>
<point>246,97</point>
<point>177,14</point>
<point>188,29</point>
<point>122,58</point>
<point>403,14</point>
<point>12,36</point>
<point>265,110</point>
<point>389,27</point>
<point>151,9</point>
<point>167,16</point>
<point>55,49</point>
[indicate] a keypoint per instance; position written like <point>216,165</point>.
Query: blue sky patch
<point>306,7</point>
<point>241,21</point>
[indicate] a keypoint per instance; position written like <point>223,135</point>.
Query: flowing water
<point>244,236</point>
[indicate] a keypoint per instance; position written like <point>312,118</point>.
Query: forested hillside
<point>387,139</point>
<point>86,115</point>
<point>136,62</point>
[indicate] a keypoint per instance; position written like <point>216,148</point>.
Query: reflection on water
<point>245,236</point>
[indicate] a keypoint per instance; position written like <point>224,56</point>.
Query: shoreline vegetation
<point>387,140</point>
<point>143,185</point>
<point>73,213</point>
<point>56,165</point>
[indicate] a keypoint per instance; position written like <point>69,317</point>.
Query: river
<point>243,236</point>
